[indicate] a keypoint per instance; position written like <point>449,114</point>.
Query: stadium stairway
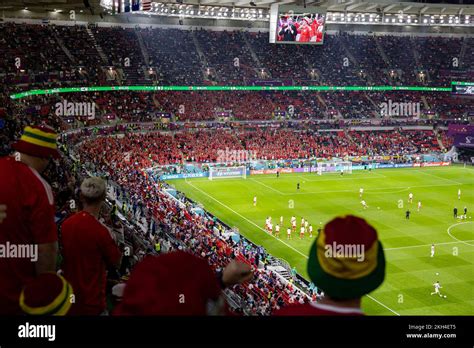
<point>348,53</point>
<point>97,46</point>
<point>425,102</point>
<point>321,101</point>
<point>416,54</point>
<point>199,50</point>
<point>462,53</point>
<point>438,138</point>
<point>252,52</point>
<point>63,47</point>
<point>276,265</point>
<point>381,51</point>
<point>349,137</point>
<point>146,56</point>
<point>376,107</point>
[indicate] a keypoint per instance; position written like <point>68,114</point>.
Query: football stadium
<point>236,158</point>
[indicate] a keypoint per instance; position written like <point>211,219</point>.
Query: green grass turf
<point>410,269</point>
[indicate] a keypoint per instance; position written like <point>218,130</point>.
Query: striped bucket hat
<point>47,294</point>
<point>347,260</point>
<point>38,141</point>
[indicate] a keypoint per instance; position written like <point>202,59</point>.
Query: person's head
<point>175,283</point>
<point>37,146</point>
<point>93,192</point>
<point>347,260</point>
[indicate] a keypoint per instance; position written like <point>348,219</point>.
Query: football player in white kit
<point>361,192</point>
<point>288,233</point>
<point>419,205</point>
<point>432,250</point>
<point>364,205</point>
<point>410,197</point>
<point>277,230</point>
<point>436,291</point>
<point>310,230</point>
<point>254,201</point>
<point>301,232</point>
<point>459,194</point>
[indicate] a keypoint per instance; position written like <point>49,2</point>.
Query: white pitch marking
<point>368,190</point>
<point>424,245</point>
<point>438,177</point>
<point>459,223</point>
<point>271,188</point>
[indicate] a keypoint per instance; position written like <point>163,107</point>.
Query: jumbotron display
<point>297,25</point>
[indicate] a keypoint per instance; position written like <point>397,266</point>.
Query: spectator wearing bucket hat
<point>28,213</point>
<point>179,284</point>
<point>346,262</point>
<point>47,294</point>
<point>88,250</point>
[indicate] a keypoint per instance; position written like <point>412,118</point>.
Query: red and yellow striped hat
<point>38,141</point>
<point>47,294</point>
<point>347,260</point>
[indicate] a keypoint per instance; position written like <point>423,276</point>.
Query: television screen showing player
<point>300,27</point>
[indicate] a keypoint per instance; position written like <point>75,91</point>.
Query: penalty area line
<point>289,246</point>
<point>265,185</point>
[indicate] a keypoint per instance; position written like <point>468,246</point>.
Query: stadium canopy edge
<point>34,92</point>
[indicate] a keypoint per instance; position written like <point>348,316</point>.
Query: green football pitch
<point>411,271</point>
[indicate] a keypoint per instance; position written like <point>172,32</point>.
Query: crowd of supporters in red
<point>160,148</point>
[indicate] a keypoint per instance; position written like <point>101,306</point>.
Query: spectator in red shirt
<point>88,249</point>
<point>347,262</point>
<point>179,283</point>
<point>28,214</point>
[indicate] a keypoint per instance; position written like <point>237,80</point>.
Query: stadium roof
<point>50,5</point>
<point>450,7</point>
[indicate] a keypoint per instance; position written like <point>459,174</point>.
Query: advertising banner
<point>183,176</point>
<point>464,140</point>
<point>454,129</point>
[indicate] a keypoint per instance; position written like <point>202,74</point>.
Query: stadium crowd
<point>203,146</point>
<point>94,56</point>
<point>145,220</point>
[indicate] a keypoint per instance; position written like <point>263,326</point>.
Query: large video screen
<point>298,25</point>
